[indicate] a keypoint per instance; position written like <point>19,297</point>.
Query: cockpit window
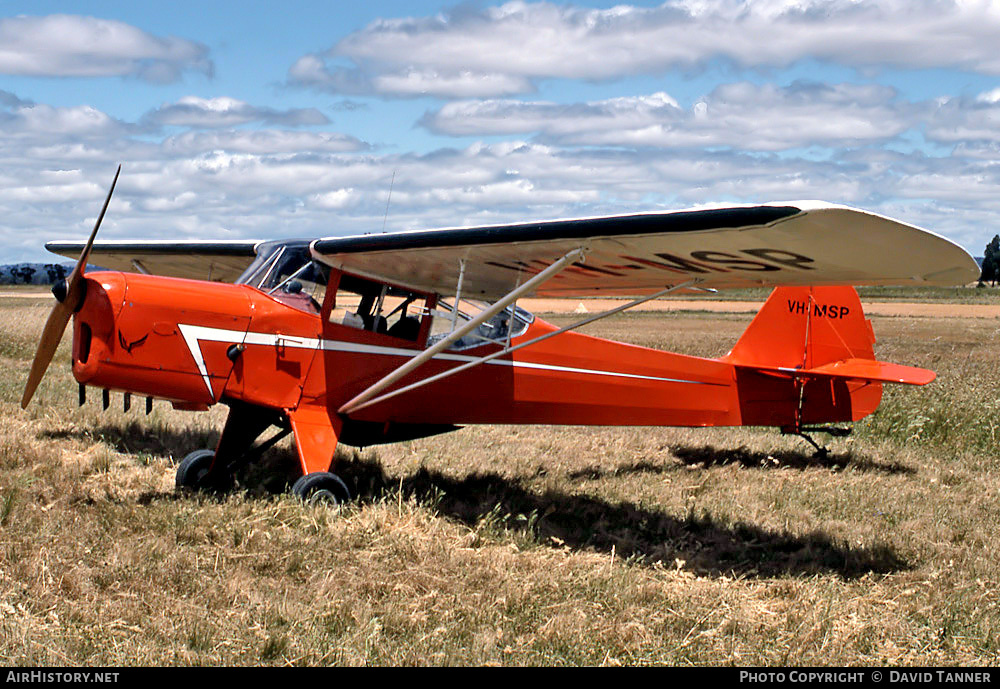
<point>288,273</point>
<point>509,323</point>
<point>380,308</point>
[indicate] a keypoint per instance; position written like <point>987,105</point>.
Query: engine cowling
<point>158,336</point>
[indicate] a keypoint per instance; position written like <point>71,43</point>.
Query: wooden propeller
<point>69,297</point>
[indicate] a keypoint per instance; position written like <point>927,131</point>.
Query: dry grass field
<point>515,545</point>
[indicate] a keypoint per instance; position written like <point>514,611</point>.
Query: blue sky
<point>263,120</point>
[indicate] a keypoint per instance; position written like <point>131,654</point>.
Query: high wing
<point>801,243</point>
<point>218,261</point>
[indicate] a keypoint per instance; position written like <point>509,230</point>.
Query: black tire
<point>321,487</point>
<point>193,471</point>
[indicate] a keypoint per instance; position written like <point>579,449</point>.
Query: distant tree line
<point>32,274</point>
<point>991,262</point>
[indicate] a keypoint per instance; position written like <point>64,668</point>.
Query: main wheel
<point>193,471</point>
<point>321,487</point>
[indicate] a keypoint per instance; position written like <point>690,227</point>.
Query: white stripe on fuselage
<point>194,335</point>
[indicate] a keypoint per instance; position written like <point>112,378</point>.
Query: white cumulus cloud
<point>76,46</point>
<point>267,141</point>
<point>521,42</point>
<point>191,111</point>
<point>741,115</point>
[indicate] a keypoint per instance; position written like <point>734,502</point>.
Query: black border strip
<point>172,249</point>
<point>646,223</point>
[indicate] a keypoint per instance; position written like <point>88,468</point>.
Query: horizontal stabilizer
<point>881,371</point>
<point>858,369</point>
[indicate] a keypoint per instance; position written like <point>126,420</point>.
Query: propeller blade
<point>74,290</point>
<point>63,310</point>
<point>47,345</point>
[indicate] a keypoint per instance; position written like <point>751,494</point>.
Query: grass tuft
<point>7,506</point>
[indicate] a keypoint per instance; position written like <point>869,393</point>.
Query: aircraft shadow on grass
<point>136,438</point>
<point>581,522</point>
<point>709,456</point>
<point>704,544</point>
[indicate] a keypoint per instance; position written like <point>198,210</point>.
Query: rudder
<point>804,328</point>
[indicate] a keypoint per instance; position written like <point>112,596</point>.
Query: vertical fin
<point>806,327</point>
<point>778,359</point>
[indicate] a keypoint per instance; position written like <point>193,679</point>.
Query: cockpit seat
<point>407,328</point>
<point>377,324</point>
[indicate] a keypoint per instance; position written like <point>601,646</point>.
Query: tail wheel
<point>194,470</point>
<point>321,487</point>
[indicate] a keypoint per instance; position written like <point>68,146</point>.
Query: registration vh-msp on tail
<point>386,337</point>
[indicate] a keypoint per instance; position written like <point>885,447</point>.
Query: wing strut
<point>458,294</point>
<point>455,335</point>
<point>508,349</point>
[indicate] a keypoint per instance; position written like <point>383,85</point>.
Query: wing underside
<point>803,243</point>
<point>220,261</point>
<point>806,243</point>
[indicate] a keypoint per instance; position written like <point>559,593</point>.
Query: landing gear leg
<point>213,470</point>
<point>316,430</point>
<point>821,452</point>
<point>803,432</point>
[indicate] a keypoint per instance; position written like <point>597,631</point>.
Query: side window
<point>379,308</point>
<point>496,330</point>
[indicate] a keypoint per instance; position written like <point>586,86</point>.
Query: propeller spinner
<point>69,297</point>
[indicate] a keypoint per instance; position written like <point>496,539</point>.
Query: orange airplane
<point>386,337</point>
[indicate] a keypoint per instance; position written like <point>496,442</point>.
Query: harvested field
<point>517,545</point>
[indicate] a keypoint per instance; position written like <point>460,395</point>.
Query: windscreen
<point>288,273</point>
